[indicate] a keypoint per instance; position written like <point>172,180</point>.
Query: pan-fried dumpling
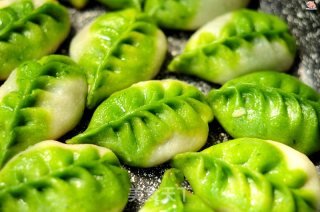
<point>118,49</point>
<point>122,4</point>
<point>30,30</point>
<point>248,110</point>
<point>251,174</point>
<point>283,81</point>
<point>51,176</point>
<point>149,122</point>
<point>237,43</point>
<point>189,14</point>
<point>40,100</point>
<point>171,196</point>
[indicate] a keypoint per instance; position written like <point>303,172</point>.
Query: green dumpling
<point>149,122</point>
<point>122,4</point>
<point>250,174</point>
<point>36,3</point>
<point>78,4</point>
<point>248,110</point>
<point>283,81</point>
<point>189,14</point>
<point>118,49</point>
<point>52,176</point>
<point>237,43</point>
<point>29,31</point>
<point>39,101</point>
<point>171,196</point>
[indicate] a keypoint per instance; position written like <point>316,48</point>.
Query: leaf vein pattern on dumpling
<point>30,33</point>
<point>247,110</point>
<point>250,174</point>
<point>188,14</point>
<point>283,81</point>
<point>172,196</point>
<point>235,44</point>
<point>58,177</point>
<point>118,49</point>
<point>40,100</point>
<point>149,122</point>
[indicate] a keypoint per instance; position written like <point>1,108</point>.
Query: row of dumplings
<point>147,123</point>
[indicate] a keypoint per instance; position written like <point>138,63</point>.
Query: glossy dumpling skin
<point>234,44</point>
<point>122,4</point>
<point>29,31</point>
<point>171,196</point>
<point>189,14</point>
<point>116,50</point>
<point>36,3</point>
<point>247,110</point>
<point>78,4</point>
<point>51,176</point>
<point>250,174</point>
<point>283,81</point>
<point>40,100</point>
<point>149,122</point>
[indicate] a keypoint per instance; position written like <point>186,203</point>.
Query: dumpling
<point>30,30</point>
<point>116,50</point>
<point>36,3</point>
<point>273,79</point>
<point>149,122</point>
<point>51,176</point>
<point>40,100</point>
<point>171,196</point>
<point>248,110</point>
<point>189,14</point>
<point>122,4</point>
<point>237,43</point>
<point>79,4</point>
<point>250,174</point>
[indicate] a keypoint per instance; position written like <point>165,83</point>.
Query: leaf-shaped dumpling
<point>51,176</point>
<point>36,3</point>
<point>250,174</point>
<point>30,32</point>
<point>78,4</point>
<point>122,4</point>
<point>171,196</point>
<point>118,49</point>
<point>247,110</point>
<point>189,14</point>
<point>149,122</point>
<point>283,81</point>
<point>39,101</point>
<point>235,44</point>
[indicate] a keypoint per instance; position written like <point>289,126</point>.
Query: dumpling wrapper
<point>235,44</point>
<point>171,196</point>
<point>250,174</point>
<point>189,14</point>
<point>40,100</point>
<point>274,79</point>
<point>150,122</point>
<point>52,176</point>
<point>117,50</point>
<point>30,30</point>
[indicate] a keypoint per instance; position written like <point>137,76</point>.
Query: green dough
<point>39,101</point>
<point>250,174</point>
<point>235,44</point>
<point>117,50</point>
<point>150,122</point>
<point>52,176</point>
<point>28,32</point>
